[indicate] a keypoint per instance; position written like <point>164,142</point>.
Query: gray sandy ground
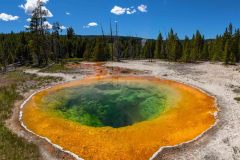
<point>223,141</point>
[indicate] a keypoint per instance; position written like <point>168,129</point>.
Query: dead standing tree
<point>112,40</point>
<point>118,45</point>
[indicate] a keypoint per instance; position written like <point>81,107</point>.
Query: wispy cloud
<point>142,8</point>
<point>30,5</point>
<point>8,17</point>
<point>91,24</point>
<point>68,13</point>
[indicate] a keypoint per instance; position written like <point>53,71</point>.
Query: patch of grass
<point>237,99</point>
<point>11,146</point>
<point>56,68</point>
<point>12,84</point>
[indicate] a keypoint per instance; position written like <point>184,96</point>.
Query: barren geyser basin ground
<point>126,117</point>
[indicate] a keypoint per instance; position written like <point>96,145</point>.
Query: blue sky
<point>145,18</point>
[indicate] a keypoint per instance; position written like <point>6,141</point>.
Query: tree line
<point>224,48</point>
<point>39,45</point>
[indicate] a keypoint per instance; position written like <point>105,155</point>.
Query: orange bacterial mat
<point>189,113</point>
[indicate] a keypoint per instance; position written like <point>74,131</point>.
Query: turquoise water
<point>107,104</point>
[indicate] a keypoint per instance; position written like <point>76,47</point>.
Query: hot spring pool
<point>126,117</point>
<point>113,104</point>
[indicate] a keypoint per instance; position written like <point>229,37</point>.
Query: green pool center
<point>107,103</point>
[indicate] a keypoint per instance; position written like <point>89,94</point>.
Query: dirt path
<point>221,142</point>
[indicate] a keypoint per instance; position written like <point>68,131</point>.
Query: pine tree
<point>218,49</point>
<point>38,28</point>
<point>22,53</point>
<point>173,47</point>
<point>239,50</point>
<point>235,47</point>
<point>231,45</point>
<point>80,47</point>
<point>186,50</point>
<point>148,50</point>
<point>2,64</point>
<point>205,52</point>
<point>70,38</point>
<point>56,47</point>
<point>197,47</point>
<point>158,50</point>
<point>227,52</point>
<point>232,58</point>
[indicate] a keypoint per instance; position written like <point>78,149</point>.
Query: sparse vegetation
<point>56,68</point>
<point>236,90</point>
<point>12,84</point>
<point>237,99</point>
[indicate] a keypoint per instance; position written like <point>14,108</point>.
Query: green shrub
<point>237,99</point>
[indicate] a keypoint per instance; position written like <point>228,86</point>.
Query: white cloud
<point>29,19</point>
<point>26,26</point>
<point>63,27</point>
<point>8,17</point>
<point>92,24</point>
<point>30,5</point>
<point>130,11</point>
<point>48,25</point>
<point>67,13</point>
<point>118,10</point>
<point>142,8</point>
<point>49,14</point>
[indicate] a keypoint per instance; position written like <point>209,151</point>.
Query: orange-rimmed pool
<point>128,117</point>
